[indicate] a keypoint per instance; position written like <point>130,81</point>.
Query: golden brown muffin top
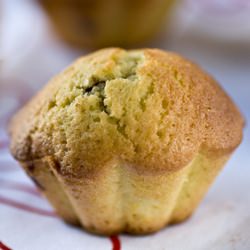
<point>151,109</point>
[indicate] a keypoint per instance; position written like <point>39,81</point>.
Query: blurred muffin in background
<point>99,23</point>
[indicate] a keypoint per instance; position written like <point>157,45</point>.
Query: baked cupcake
<point>100,23</point>
<point>126,141</point>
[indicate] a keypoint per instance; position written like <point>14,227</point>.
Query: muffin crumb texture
<point>126,141</point>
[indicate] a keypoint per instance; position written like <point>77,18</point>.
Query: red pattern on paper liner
<point>25,207</point>
<point>4,144</point>
<point>19,187</point>
<point>3,246</point>
<point>115,242</point>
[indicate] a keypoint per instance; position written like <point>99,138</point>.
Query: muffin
<point>126,141</point>
<point>100,23</point>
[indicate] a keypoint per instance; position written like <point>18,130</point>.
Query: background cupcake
<point>100,23</point>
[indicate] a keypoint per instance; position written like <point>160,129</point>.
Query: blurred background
<point>40,38</point>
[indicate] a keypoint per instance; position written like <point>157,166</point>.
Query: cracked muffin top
<point>152,109</point>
